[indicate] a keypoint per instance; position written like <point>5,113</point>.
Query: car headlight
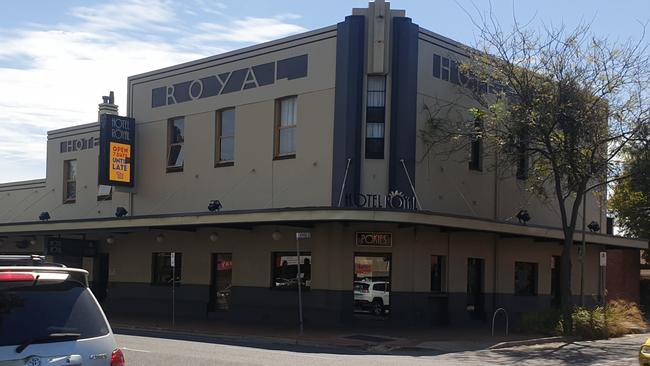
<point>645,350</point>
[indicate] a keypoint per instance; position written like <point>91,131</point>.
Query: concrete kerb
<point>533,342</point>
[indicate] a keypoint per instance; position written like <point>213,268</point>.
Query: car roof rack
<point>26,260</point>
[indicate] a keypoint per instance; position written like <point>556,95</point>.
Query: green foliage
<point>631,199</point>
<point>618,318</point>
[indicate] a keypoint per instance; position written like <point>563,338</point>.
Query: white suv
<point>49,316</point>
<point>372,295</point>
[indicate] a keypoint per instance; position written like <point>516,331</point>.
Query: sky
<point>57,58</point>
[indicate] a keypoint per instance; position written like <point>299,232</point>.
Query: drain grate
<point>369,338</point>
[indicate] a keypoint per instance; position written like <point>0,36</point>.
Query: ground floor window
<point>162,272</point>
<point>438,271</point>
<point>285,270</point>
<point>525,279</point>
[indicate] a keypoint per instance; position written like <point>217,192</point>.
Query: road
<point>198,351</point>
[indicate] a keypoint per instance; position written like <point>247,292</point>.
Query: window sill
<point>224,163</point>
<point>285,157</point>
<point>68,202</point>
<point>174,169</point>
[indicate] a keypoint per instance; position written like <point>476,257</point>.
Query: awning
<point>306,216</point>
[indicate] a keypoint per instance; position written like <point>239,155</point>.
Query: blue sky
<point>57,58</point>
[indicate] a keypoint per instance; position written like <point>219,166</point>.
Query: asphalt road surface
<point>153,349</point>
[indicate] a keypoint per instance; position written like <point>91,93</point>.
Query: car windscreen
<point>32,310</point>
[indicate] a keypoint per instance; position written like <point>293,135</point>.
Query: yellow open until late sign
<point>120,162</point>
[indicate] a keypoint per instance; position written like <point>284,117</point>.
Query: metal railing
<point>495,316</point>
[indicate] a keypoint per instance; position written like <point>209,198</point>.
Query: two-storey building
<point>317,132</point>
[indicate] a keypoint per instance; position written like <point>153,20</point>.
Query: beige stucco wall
<point>444,181</point>
<point>333,248</point>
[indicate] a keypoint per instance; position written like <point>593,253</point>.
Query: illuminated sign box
<point>374,239</point>
<point>116,151</point>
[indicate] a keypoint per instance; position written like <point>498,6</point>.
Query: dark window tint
<point>436,66</point>
<point>33,311</point>
<point>360,286</point>
<point>525,279</point>
<point>476,147</point>
<point>375,117</point>
<point>285,270</point>
<point>379,287</point>
<point>162,271</point>
<point>438,272</point>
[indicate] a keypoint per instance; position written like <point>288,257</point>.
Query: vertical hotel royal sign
<point>116,150</point>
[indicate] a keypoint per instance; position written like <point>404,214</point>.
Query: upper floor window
<point>522,162</point>
<point>69,181</point>
<point>375,117</point>
<point>225,143</point>
<point>285,127</point>
<point>175,140</point>
<point>476,147</point>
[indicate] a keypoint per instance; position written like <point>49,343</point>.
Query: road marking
<point>135,350</point>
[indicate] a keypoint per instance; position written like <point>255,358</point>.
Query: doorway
<point>221,282</point>
<point>371,285</point>
<point>100,280</point>
<point>475,295</point>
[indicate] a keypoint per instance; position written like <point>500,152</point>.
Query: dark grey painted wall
<point>404,70</point>
<point>259,305</point>
<point>348,102</point>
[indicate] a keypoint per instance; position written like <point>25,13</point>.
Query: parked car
<point>49,316</point>
<point>373,296</point>
<point>644,354</point>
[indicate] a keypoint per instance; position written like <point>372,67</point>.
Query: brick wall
<point>623,274</point>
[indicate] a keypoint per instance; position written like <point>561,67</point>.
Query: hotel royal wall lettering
<point>394,200</point>
<point>229,82</point>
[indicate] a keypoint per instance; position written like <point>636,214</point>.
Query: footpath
<point>373,340</point>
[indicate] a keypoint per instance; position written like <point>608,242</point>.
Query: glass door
<point>371,284</point>
<point>475,297</point>
<point>221,281</point>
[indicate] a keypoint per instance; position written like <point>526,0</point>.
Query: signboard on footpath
<point>116,150</point>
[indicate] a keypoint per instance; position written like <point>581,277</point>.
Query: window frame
<point>67,180</point>
<point>170,144</point>
<point>535,279</point>
<point>178,271</point>
<point>218,162</point>
<point>290,254</point>
<point>476,147</point>
<point>278,128</point>
<point>371,142</point>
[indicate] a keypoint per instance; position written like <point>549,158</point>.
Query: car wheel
<point>377,308</point>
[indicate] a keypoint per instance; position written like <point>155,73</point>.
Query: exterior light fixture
<point>121,212</point>
<point>44,216</point>
<point>214,237</point>
<point>160,238</point>
<point>32,242</point>
<point>593,226</point>
<point>214,205</point>
<point>110,239</point>
<point>523,216</point>
<point>276,235</point>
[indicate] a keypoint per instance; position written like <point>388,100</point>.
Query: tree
<point>557,105</point>
<point>631,199</point>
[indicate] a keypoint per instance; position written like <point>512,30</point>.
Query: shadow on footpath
<point>280,345</point>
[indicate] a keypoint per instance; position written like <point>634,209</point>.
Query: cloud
<point>247,30</point>
<point>53,75</point>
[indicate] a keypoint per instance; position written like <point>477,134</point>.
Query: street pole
<point>300,235</point>
<point>173,263</point>
<point>582,250</point>
<point>299,284</point>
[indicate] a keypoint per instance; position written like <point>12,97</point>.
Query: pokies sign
<point>116,150</point>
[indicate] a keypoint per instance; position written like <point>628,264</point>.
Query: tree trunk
<point>566,299</point>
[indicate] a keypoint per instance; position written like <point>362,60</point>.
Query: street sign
<point>603,259</point>
<point>303,235</point>
<point>173,259</point>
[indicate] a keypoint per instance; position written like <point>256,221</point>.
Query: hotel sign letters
<point>116,150</point>
<point>230,82</point>
<point>374,239</point>
<point>394,200</point>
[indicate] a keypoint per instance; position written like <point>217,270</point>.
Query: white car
<point>49,316</point>
<point>372,295</point>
